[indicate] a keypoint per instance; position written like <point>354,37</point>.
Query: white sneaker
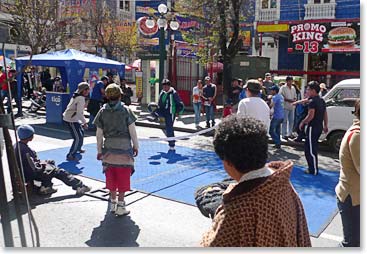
<point>113,207</point>
<point>82,190</point>
<point>121,209</point>
<point>46,190</point>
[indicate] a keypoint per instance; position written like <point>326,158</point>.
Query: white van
<point>340,102</point>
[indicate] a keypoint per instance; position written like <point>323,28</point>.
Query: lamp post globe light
<point>162,25</point>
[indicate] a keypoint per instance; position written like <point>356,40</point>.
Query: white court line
<point>331,237</point>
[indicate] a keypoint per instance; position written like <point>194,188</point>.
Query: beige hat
<point>113,91</point>
<point>82,86</point>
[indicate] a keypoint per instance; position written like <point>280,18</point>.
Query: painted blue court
<point>177,175</point>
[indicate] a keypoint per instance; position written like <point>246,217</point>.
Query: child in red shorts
<point>117,145</point>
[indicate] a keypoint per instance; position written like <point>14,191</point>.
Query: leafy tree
<point>36,23</point>
<point>222,29</point>
<point>116,37</point>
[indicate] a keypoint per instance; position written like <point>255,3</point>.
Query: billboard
<point>333,37</point>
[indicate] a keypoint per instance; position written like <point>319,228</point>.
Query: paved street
<point>65,220</point>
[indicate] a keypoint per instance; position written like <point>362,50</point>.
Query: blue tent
<point>71,63</point>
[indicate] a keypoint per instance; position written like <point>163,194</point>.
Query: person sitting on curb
<point>42,170</point>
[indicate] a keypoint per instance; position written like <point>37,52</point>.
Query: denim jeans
<point>350,216</point>
<point>209,113</point>
<point>287,125</point>
<point>90,124</point>
<point>197,109</point>
<point>77,132</point>
<point>274,130</point>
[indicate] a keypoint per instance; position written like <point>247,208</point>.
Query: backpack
<point>208,198</point>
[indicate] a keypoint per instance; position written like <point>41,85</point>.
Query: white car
<point>340,102</point>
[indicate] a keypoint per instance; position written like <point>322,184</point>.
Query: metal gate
<point>187,73</point>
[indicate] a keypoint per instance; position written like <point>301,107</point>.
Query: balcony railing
<point>268,15</point>
<point>320,11</point>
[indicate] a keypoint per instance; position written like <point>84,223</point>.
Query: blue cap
<point>25,131</point>
<point>275,88</point>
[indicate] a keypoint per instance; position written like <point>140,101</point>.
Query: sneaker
<point>113,207</point>
<point>213,124</point>
<point>81,151</point>
<point>207,125</point>
<point>277,146</point>
<point>285,137</point>
<point>121,209</point>
<point>82,190</point>
<point>47,190</point>
<point>307,171</point>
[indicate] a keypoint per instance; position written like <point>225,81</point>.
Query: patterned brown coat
<point>263,212</point>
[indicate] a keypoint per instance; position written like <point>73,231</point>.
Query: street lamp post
<point>162,25</point>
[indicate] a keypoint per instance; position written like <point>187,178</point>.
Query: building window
<point>320,1</point>
<point>266,4</point>
<point>127,5</point>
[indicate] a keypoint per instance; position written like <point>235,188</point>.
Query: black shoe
<point>207,125</point>
<point>285,137</point>
<point>213,124</point>
<point>298,140</point>
<point>278,146</point>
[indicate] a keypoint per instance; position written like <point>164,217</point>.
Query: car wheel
<point>335,140</point>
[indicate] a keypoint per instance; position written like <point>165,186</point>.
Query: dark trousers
<point>45,177</point>
<point>350,216</point>
<point>311,148</point>
<point>169,129</point>
<point>274,130</point>
<point>77,132</point>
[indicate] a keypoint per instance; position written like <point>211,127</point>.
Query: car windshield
<point>341,94</point>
